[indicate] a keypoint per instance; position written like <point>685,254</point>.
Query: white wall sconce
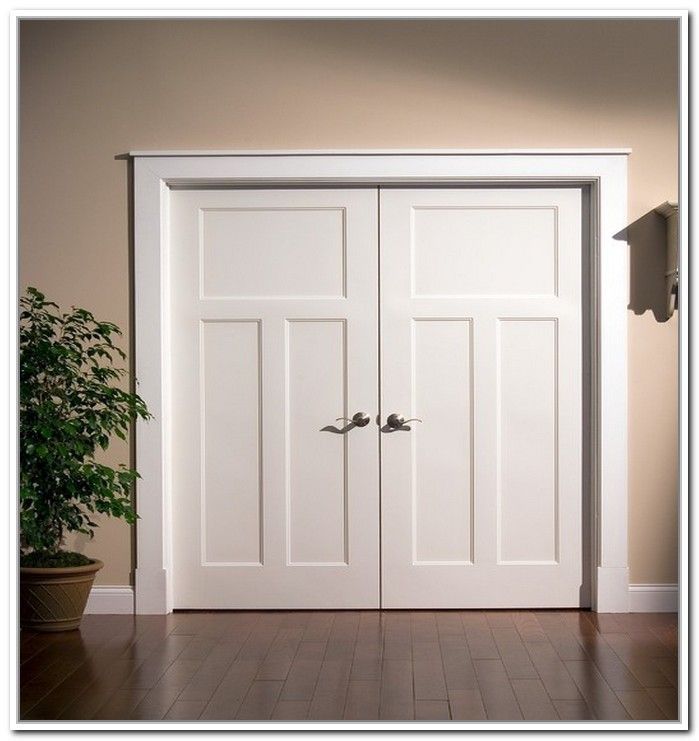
<point>669,211</point>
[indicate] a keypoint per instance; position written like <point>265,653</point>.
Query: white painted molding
<point>653,598</point>
<point>373,152</point>
<point>151,587</point>
<point>612,589</point>
<point>105,600</point>
<point>603,171</point>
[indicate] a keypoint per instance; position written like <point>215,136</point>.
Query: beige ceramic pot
<point>54,599</point>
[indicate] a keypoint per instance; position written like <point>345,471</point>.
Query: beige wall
<point>91,90</point>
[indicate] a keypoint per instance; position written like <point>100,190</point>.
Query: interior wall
<point>91,90</point>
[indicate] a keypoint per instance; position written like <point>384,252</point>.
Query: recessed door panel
<point>265,251</point>
<point>527,436</point>
<point>442,515</point>
<point>231,482</point>
<point>462,250</point>
<point>317,463</point>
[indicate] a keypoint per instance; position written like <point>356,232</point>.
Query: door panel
<point>231,455</point>
<point>481,339</point>
<point>441,353</point>
<point>317,464</point>
<point>526,465</point>
<point>275,316</point>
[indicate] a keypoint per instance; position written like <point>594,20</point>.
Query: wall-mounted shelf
<point>669,211</point>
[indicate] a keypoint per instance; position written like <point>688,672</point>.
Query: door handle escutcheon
<point>397,421</point>
<point>360,419</point>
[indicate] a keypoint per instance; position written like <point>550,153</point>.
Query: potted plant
<point>71,403</point>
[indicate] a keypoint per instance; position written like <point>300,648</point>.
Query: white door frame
<point>603,171</point>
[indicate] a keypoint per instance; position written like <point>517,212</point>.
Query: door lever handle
<point>360,419</point>
<point>398,420</point>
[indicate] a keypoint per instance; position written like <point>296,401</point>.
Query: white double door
<point>291,308</point>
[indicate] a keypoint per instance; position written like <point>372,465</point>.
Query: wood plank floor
<point>390,665</point>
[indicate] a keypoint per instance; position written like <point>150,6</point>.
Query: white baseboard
<point>652,597</point>
<point>105,600</point>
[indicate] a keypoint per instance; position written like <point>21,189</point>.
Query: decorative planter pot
<point>54,599</point>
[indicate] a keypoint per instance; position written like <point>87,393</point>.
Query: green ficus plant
<point>71,403</point>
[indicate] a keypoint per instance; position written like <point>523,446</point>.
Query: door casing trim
<point>604,172</point>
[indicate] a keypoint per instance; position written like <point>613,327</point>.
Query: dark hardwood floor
<point>393,665</point>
